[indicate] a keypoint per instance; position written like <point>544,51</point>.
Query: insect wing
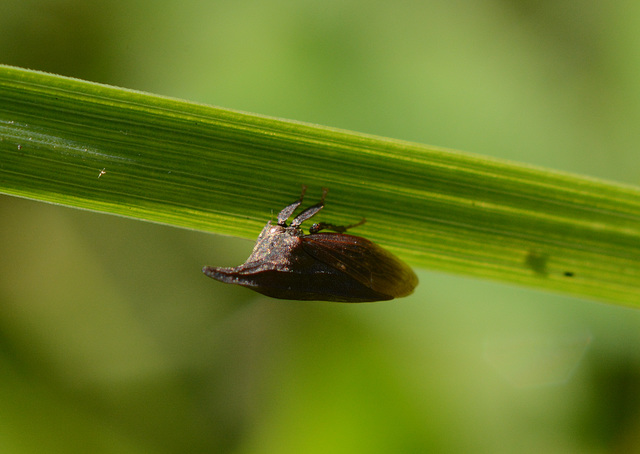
<point>362,260</point>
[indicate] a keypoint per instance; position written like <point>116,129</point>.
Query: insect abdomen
<point>330,285</point>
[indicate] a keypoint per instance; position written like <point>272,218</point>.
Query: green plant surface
<point>148,157</point>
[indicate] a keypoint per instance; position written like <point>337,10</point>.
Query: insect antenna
<point>309,212</point>
<point>288,210</point>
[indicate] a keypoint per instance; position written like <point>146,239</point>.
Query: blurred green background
<point>112,341</point>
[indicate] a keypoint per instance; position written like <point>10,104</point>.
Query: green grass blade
<point>118,151</point>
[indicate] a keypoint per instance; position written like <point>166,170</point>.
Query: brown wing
<point>362,260</point>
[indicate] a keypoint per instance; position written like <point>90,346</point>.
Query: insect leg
<point>288,211</point>
<point>315,228</point>
<point>310,212</point>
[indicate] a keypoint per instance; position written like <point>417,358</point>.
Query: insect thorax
<point>276,242</point>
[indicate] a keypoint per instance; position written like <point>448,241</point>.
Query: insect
<point>286,263</point>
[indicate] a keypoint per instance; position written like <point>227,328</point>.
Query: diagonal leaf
<point>119,151</point>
